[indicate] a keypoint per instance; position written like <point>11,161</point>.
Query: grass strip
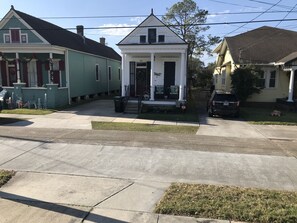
<point>229,203</point>
<point>261,116</point>
<point>5,176</point>
<point>144,127</point>
<point>26,111</point>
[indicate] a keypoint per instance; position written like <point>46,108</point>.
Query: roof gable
<point>12,21</point>
<point>152,22</point>
<point>262,46</point>
<point>58,36</point>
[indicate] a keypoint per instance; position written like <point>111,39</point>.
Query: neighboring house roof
<point>287,59</point>
<point>58,36</point>
<point>152,21</point>
<point>262,46</point>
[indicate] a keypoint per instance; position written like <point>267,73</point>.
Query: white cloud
<point>138,20</point>
<point>218,14</point>
<point>116,29</point>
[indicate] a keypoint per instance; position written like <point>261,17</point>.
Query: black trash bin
<point>118,104</point>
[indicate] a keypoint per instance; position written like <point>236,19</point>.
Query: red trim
<point>3,73</point>
<point>56,78</point>
<point>25,73</point>
<point>61,65</point>
<point>39,73</point>
<point>47,66</point>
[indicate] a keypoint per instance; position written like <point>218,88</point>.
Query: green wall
<point>83,78</point>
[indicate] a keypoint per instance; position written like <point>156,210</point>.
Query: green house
<point>44,64</point>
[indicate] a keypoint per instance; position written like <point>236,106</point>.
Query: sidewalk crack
<point>105,199</point>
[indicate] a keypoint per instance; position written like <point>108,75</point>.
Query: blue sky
<point>249,10</point>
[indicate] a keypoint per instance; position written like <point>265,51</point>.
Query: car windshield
<point>225,97</point>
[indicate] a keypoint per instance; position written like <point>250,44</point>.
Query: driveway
<point>216,126</point>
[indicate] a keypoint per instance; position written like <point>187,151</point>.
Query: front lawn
<point>229,203</point>
<point>144,127</point>
<point>26,111</point>
<point>262,116</point>
<point>5,176</point>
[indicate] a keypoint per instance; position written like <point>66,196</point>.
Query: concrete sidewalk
<point>80,117</point>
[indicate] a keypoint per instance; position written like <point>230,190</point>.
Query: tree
<point>246,81</point>
<point>186,19</point>
<point>204,76</point>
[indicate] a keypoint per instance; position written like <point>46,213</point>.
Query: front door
<point>142,81</point>
<point>169,75</point>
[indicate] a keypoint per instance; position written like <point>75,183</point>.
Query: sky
<point>94,15</point>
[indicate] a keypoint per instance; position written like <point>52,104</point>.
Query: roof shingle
<point>58,36</point>
<point>262,46</point>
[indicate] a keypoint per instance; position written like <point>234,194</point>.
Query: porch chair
<point>173,92</point>
<point>159,92</point>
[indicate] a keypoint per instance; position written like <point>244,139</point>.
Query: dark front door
<point>142,81</point>
<point>169,75</point>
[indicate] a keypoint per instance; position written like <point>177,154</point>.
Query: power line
<point>196,24</point>
<point>286,15</point>
<point>255,17</point>
<point>268,3</point>
<point>234,4</point>
<point>144,16</point>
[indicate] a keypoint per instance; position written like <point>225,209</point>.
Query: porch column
<point>123,75</point>
<point>152,76</point>
<point>50,71</point>
<point>291,85</point>
<point>182,74</point>
<point>18,68</point>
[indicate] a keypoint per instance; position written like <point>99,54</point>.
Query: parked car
<point>223,104</point>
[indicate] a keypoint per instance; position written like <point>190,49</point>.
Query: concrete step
<point>131,108</point>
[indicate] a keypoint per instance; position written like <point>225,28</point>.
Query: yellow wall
<point>266,95</point>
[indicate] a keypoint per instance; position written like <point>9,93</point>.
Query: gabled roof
<point>262,46</point>
<point>58,36</point>
<point>152,17</point>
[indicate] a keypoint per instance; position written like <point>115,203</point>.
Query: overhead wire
<point>286,15</point>
<point>255,17</point>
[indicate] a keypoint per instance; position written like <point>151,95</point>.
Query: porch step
<point>131,107</point>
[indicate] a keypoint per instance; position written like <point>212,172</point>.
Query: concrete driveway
<point>217,126</point>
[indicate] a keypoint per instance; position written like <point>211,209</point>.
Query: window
<point>224,77</point>
<point>152,35</point>
<point>142,39</point>
<point>109,73</point>
<point>24,38</point>
<point>161,38</point>
<point>15,35</point>
<point>6,38</point>
<point>97,72</point>
<point>119,70</point>
<point>261,81</point>
<point>272,79</point>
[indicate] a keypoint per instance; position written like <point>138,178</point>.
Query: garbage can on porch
<point>118,104</point>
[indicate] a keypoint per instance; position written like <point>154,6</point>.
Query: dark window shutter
<point>3,73</point>
<point>15,35</point>
<point>47,66</point>
<point>61,65</point>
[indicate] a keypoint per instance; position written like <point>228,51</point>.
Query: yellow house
<point>273,50</point>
